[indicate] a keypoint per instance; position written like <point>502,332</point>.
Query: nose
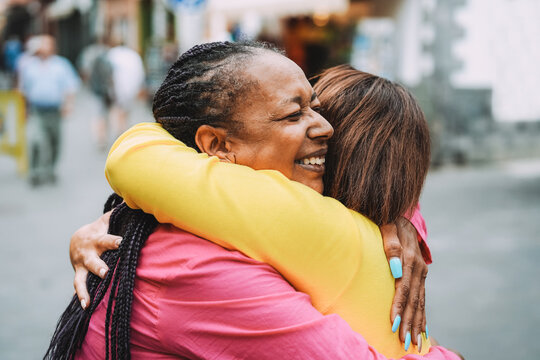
<point>319,128</point>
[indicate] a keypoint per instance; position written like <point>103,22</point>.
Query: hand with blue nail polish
<point>407,266</point>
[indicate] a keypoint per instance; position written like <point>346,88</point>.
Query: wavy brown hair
<point>379,155</point>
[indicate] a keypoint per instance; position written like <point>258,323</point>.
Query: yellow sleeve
<point>312,240</point>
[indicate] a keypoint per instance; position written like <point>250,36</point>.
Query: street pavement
<point>483,223</point>
<point>484,231</point>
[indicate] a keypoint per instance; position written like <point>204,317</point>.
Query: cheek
<point>272,148</point>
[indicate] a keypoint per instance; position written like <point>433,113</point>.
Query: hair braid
<point>73,323</point>
<point>201,87</point>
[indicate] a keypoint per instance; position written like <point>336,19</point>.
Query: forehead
<point>278,78</point>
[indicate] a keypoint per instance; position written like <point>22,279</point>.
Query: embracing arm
<point>292,329</point>
<point>154,171</point>
<point>206,196</point>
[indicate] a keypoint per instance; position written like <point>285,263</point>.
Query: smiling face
<point>280,127</point>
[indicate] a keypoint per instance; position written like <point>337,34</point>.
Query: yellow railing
<point>13,128</point>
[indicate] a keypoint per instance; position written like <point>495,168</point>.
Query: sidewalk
<point>36,225</point>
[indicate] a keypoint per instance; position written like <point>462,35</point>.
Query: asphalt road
<point>484,232</point>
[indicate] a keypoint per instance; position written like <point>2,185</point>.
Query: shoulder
<point>62,63</point>
<point>57,59</point>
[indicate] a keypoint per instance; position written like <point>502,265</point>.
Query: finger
<point>96,266</point>
<point>401,297</point>
<point>411,291</point>
<point>79,283</point>
<point>418,319</point>
<point>423,294</point>
<point>108,242</point>
<point>392,249</point>
<point>106,217</point>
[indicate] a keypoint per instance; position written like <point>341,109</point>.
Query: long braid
<point>201,88</point>
<point>73,323</point>
<point>137,227</point>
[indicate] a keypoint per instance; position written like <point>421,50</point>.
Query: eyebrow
<point>298,99</point>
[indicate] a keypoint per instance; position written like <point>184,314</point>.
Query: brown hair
<point>379,155</point>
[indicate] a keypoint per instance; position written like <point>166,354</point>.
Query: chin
<point>317,186</point>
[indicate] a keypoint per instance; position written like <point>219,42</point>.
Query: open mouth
<point>312,162</point>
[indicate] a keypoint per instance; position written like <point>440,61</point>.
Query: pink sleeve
<point>416,218</point>
<point>210,303</point>
<point>275,327</point>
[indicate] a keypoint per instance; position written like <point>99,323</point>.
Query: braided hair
<point>201,88</point>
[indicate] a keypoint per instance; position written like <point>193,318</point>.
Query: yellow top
<point>322,248</point>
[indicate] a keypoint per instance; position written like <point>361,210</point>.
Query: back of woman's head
<point>203,86</point>
<point>379,155</point>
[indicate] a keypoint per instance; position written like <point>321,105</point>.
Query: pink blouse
<point>196,300</point>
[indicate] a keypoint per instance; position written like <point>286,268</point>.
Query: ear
<point>213,141</point>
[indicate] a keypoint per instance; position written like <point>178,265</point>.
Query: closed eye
<point>293,116</point>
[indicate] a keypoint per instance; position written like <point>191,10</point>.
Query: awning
<point>276,8</point>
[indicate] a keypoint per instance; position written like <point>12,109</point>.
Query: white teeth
<point>312,161</point>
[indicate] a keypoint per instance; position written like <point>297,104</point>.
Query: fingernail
<point>395,267</point>
<point>427,333</point>
<point>117,242</point>
<point>102,272</point>
<point>407,340</point>
<point>419,342</point>
<point>83,304</point>
<point>395,325</point>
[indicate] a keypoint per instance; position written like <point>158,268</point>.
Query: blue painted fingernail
<point>427,332</point>
<point>395,325</point>
<point>407,340</point>
<point>395,267</point>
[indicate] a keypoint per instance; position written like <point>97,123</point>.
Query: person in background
<point>97,73</point>
<point>31,47</point>
<point>15,31</point>
<point>128,80</point>
<point>49,83</point>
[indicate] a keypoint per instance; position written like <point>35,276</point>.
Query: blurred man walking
<point>48,82</point>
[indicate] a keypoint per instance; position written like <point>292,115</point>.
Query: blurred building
<point>472,63</point>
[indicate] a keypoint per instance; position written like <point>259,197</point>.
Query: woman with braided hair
<point>193,299</point>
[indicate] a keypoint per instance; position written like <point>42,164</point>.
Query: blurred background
<point>473,64</point>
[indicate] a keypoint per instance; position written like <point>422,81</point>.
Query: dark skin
<point>401,241</point>
<point>280,128</point>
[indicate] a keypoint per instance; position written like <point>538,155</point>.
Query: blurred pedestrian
<point>97,72</point>
<point>15,30</point>
<point>31,48</point>
<point>48,82</point>
<point>128,80</point>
